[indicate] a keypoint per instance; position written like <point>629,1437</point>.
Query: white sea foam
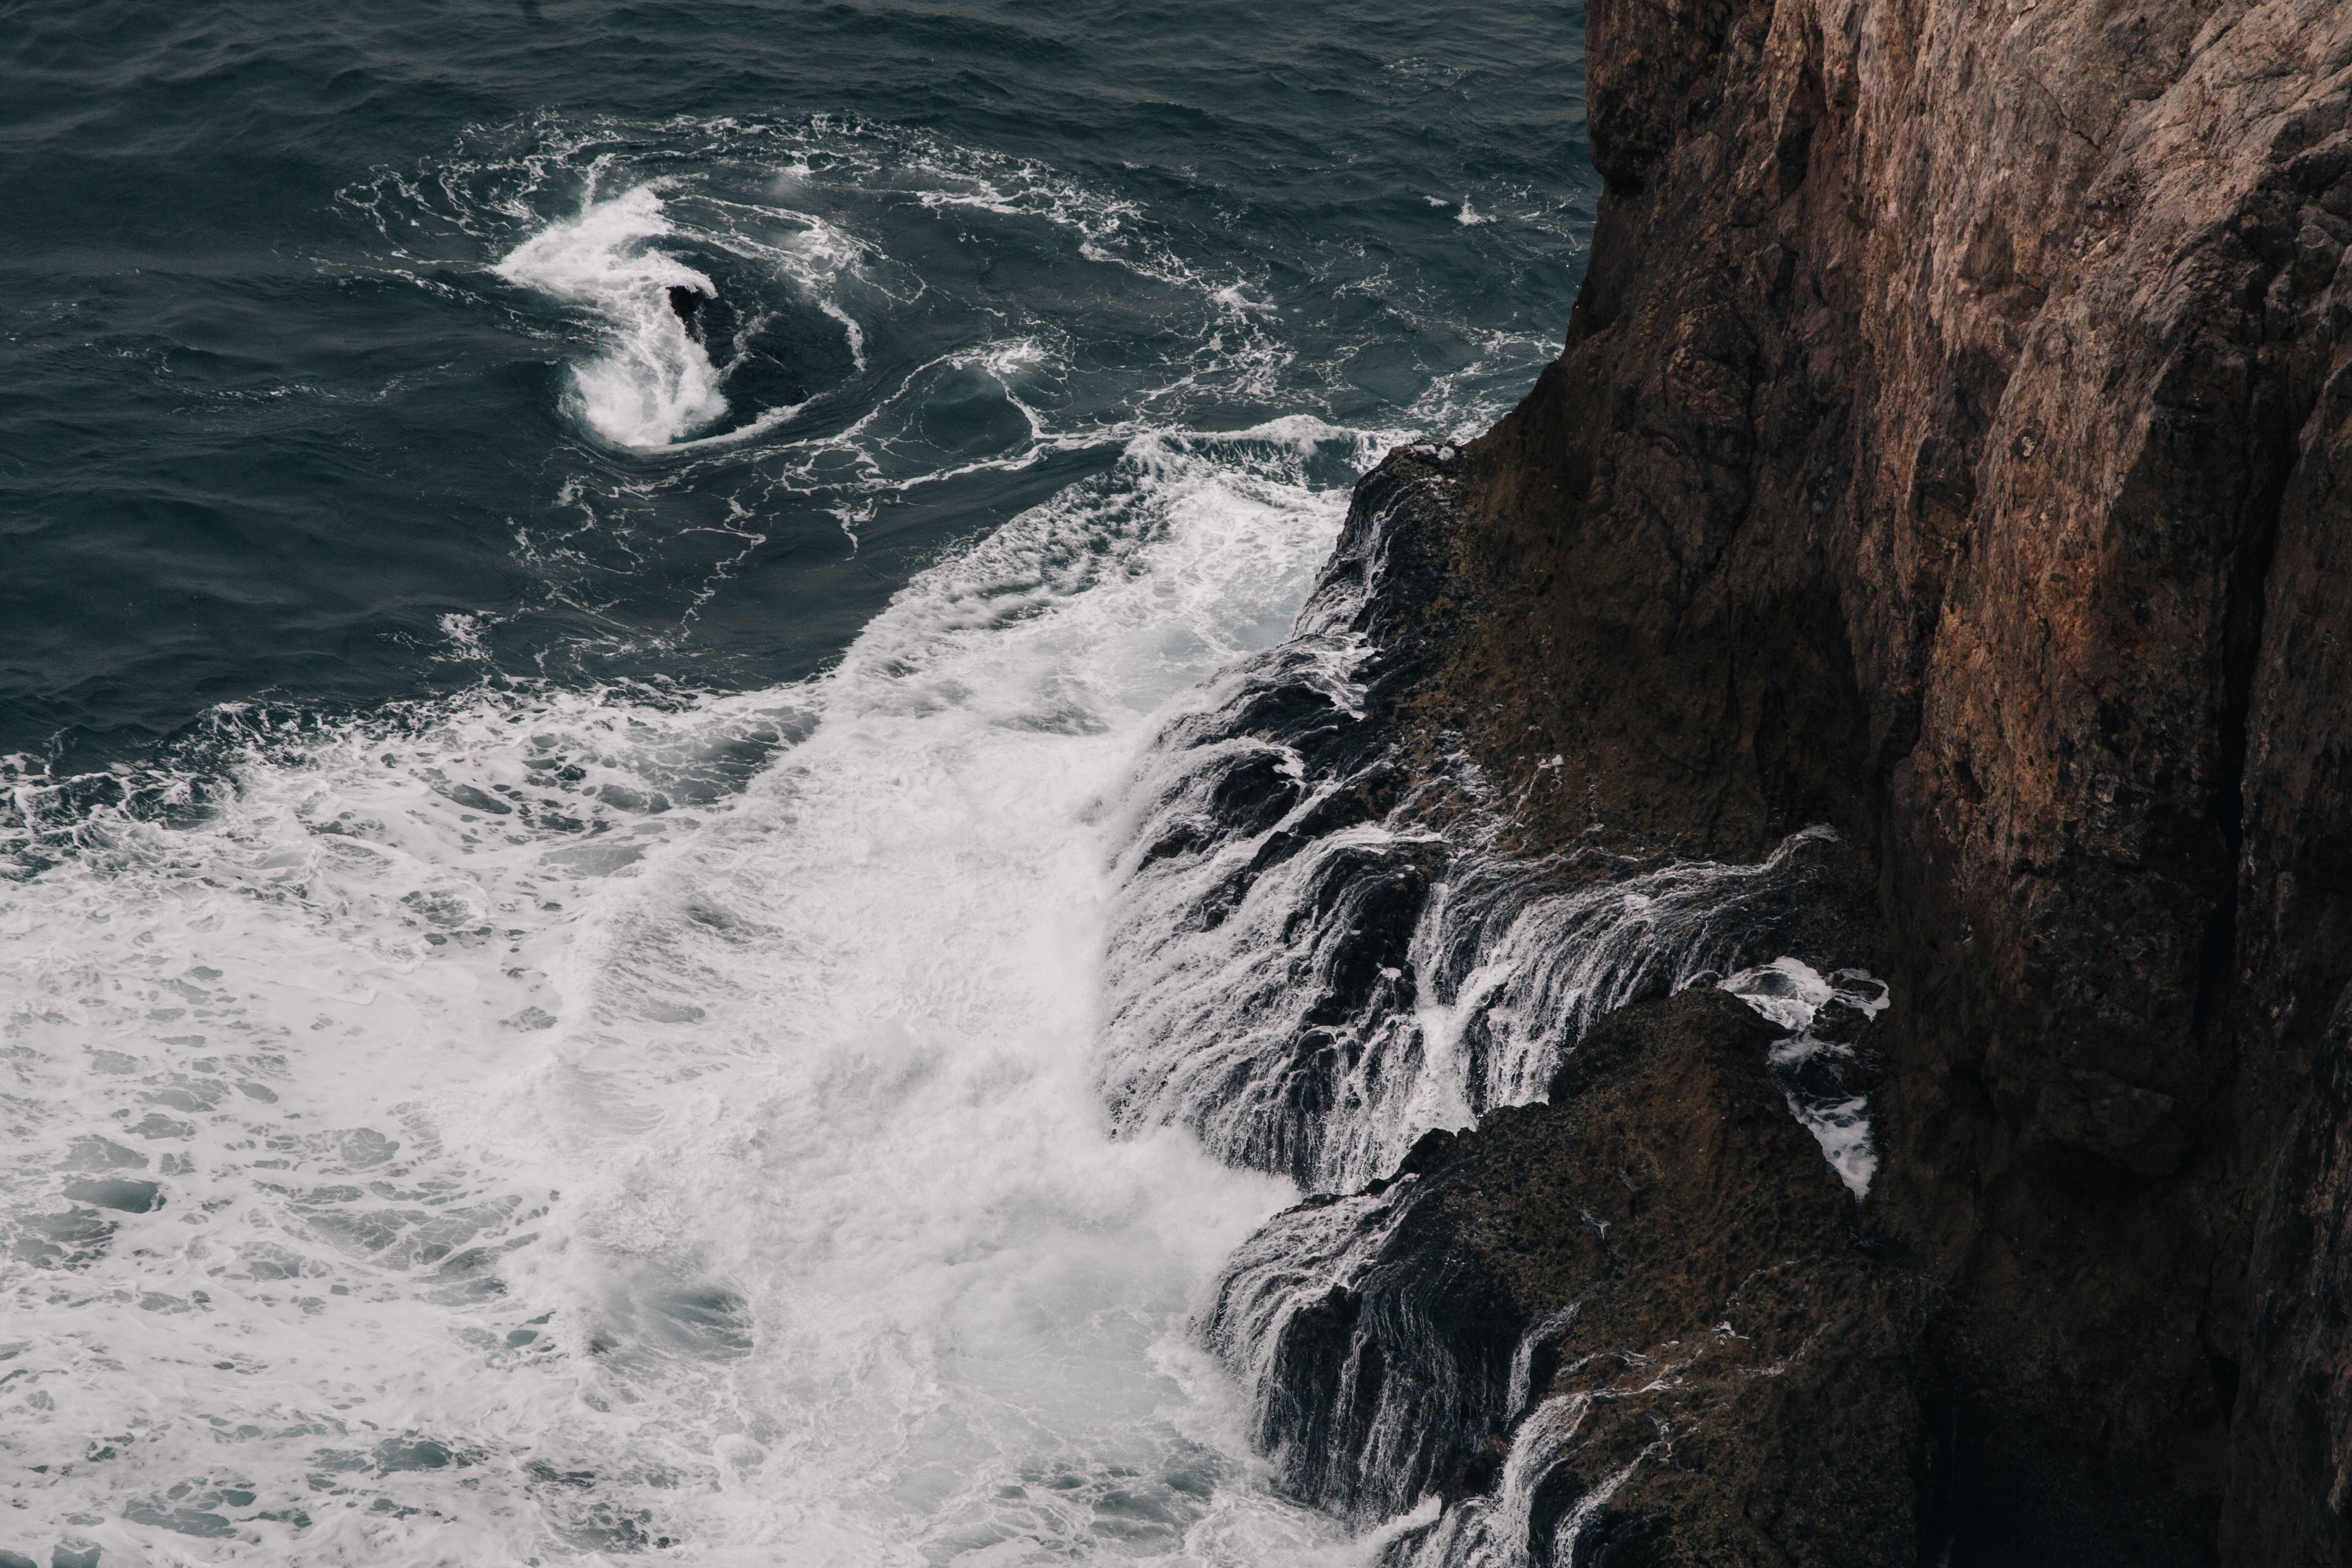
<point>809,208</point>
<point>653,383</point>
<point>1792,993</point>
<point>556,1149</point>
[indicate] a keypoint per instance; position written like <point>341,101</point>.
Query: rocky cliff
<point>1952,446</point>
<point>1632,1321</point>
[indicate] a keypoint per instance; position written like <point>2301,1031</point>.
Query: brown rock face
<point>1730,1354</point>
<point>1954,443</point>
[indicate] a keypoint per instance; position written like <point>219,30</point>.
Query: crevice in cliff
<point>2245,605</point>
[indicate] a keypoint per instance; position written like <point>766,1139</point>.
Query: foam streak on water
<point>654,383</point>
<point>500,1132</point>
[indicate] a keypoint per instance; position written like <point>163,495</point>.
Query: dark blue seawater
<point>269,416</point>
<point>556,865</point>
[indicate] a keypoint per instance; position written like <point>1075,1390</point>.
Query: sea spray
<point>1322,947</point>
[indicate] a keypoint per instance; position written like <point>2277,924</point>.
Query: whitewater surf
<point>569,1027</point>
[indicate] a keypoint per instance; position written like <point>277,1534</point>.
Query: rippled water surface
<point>551,866</point>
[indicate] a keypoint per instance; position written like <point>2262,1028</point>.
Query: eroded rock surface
<point>1953,444</point>
<point>1634,1319</point>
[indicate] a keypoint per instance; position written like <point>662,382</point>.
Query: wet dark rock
<point>1253,793</point>
<point>1654,1276</point>
<point>1312,814</point>
<point>710,321</point>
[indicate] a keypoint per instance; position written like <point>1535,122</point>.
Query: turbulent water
<point>556,866</point>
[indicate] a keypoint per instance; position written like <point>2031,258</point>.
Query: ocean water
<point>553,867</point>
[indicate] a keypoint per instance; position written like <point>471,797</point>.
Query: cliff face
<point>1953,444</point>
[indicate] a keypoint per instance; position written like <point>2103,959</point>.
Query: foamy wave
<point>546,1124</point>
<point>804,204</point>
<point>655,383</point>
